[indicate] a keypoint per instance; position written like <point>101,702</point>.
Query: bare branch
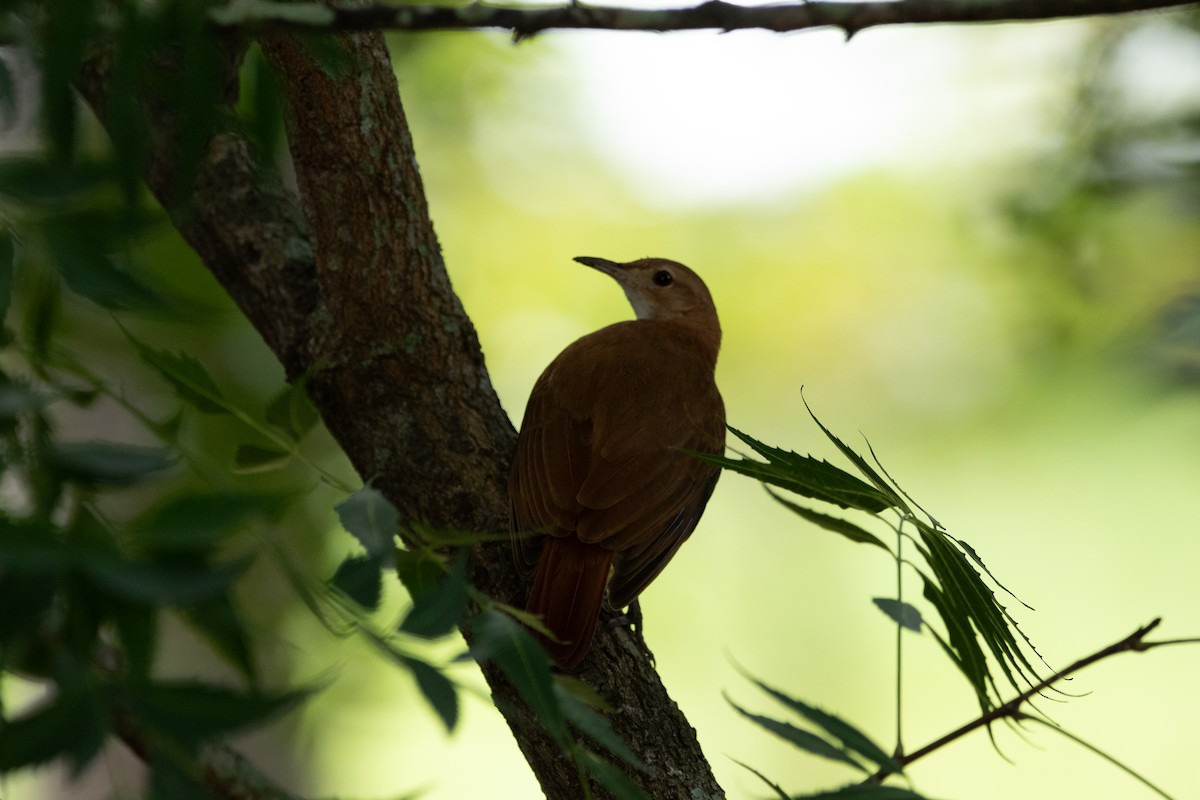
<point>1134,642</point>
<point>715,14</point>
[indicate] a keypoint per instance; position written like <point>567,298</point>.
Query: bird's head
<point>659,289</point>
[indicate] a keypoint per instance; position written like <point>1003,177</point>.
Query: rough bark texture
<point>347,284</point>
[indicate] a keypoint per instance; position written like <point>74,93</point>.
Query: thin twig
<point>1134,642</point>
<point>525,21</point>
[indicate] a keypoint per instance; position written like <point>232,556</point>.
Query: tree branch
<point>346,283</point>
<point>1134,642</point>
<point>715,14</point>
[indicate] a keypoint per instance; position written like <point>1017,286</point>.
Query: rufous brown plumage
<point>601,466</point>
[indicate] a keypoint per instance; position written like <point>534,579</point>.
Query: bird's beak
<point>611,268</point>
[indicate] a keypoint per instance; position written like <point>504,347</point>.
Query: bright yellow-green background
<point>1027,416</point>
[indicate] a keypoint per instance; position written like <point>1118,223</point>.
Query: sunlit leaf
<point>438,610</point>
<point>523,661</point>
<point>108,463</point>
<point>371,519</point>
<point>903,614</point>
<point>438,690</point>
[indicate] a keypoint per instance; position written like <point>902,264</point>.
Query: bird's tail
<point>567,593</point>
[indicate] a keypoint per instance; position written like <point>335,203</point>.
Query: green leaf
<point>74,724</point>
<point>438,690</point>
<point>418,571</point>
<point>17,399</point>
<point>775,787</point>
<point>595,726</point>
<point>371,519</point>
<point>43,304</point>
<point>361,579</point>
<point>8,96</point>
<point>863,791</point>
<point>798,737</point>
<point>804,475</point>
<point>251,459</point>
<point>170,781</point>
<point>80,247</point>
<point>199,521</point>
<point>220,624</point>
<point>191,712</point>
<point>186,375</point>
<point>614,780</point>
<point>157,582</point>
<point>437,611</point>
<point>292,412</point>
<point>108,463</point>
<point>7,255</point>
<point>851,737</point>
<point>885,489</point>
<point>903,614</point>
<point>40,183</point>
<point>137,629</point>
<point>836,524</point>
<point>522,660</point>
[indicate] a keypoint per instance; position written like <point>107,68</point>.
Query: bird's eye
<point>663,278</point>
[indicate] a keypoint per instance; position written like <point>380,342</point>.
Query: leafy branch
<point>715,14</point>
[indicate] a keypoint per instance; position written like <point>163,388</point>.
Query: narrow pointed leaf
<point>614,780</point>
<point>108,463</point>
<point>192,712</point>
<point>437,611</point>
<point>884,488</point>
<point>218,622</point>
<point>498,638</point>
<point>775,787</point>
<point>864,791</point>
<point>186,375</point>
<point>903,614</point>
<point>251,459</point>
<point>371,519</point>
<point>438,690</point>
<point>201,520</point>
<point>836,524</point>
<point>361,578</point>
<point>292,412</point>
<point>798,737</point>
<point>595,726</point>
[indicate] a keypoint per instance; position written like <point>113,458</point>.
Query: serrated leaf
<point>250,459</point>
<point>803,475</point>
<point>836,524</point>
<point>437,611</point>
<point>371,519</point>
<point>191,712</point>
<point>108,463</point>
<point>523,661</point>
<point>438,690</point>
<point>418,571</point>
<point>614,780</point>
<point>361,579</point>
<point>903,614</point>
<point>849,736</point>
<point>798,737</point>
<point>884,488</point>
<point>595,726</point>
<point>201,520</point>
<point>292,412</point>
<point>186,375</point>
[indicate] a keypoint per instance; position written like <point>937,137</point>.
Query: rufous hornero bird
<point>601,466</point>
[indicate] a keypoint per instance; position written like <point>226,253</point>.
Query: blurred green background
<point>976,246</point>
